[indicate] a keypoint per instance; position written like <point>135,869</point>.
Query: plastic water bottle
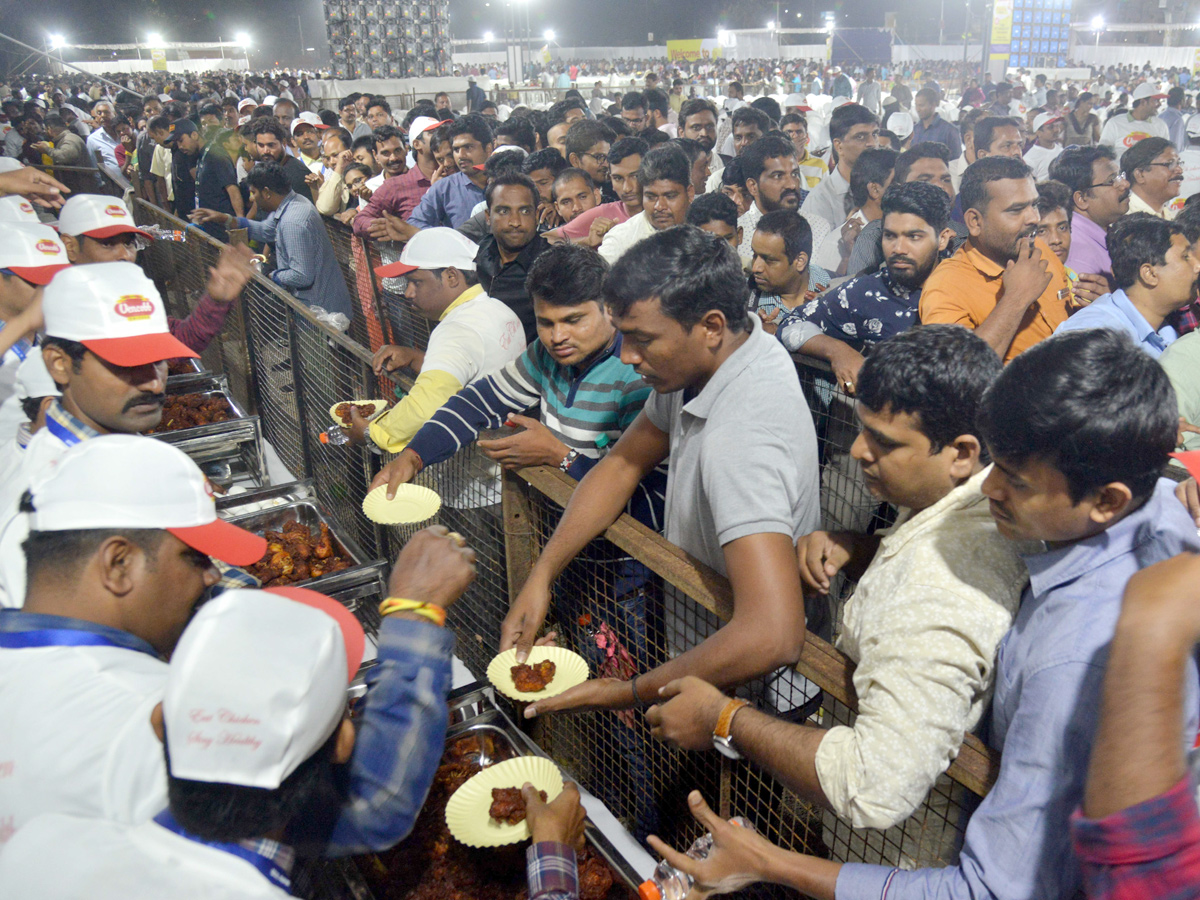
<point>667,882</point>
<point>334,437</point>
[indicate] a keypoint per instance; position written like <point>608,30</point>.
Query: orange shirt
<point>964,289</point>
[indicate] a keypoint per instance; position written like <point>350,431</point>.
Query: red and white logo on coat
<point>134,307</point>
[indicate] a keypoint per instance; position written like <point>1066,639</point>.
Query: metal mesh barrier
<point>629,589</point>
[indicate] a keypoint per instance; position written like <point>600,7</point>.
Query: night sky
<point>276,31</point>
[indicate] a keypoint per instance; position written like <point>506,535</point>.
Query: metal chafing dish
<point>227,451</point>
<point>473,715</point>
<point>182,370</point>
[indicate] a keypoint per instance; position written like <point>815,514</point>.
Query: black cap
<point>178,127</point>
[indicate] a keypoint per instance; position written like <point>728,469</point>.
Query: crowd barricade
<point>630,584</point>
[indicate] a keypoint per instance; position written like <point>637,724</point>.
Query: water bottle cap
<point>648,890</point>
<point>323,437</point>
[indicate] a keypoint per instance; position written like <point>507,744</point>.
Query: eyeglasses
<point>1173,164</point>
<point>1112,182</point>
<point>601,158</point>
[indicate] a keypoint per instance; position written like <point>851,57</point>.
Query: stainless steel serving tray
<point>236,442</point>
<point>262,499</point>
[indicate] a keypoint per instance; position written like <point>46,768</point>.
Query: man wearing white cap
<point>35,392</point>
<point>475,334</point>
<point>1047,129</point>
<point>306,135</point>
<point>400,195</point>
<point>1142,121</point>
<point>109,601</point>
<point>246,108</point>
<point>18,210</point>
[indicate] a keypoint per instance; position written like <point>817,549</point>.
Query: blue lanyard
<point>61,432</point>
<point>55,637</point>
<point>266,866</point>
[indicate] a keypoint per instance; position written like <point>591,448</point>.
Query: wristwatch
<point>569,460</point>
<point>722,742</point>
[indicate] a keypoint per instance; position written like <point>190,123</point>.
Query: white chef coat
<point>77,737</point>
<point>61,857</point>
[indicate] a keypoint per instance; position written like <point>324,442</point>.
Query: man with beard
<point>1155,174</point>
<point>698,122</point>
<point>624,159</point>
<point>451,201</point>
<point>506,255</point>
<point>271,140</point>
<point>842,325</point>
<point>665,177</point>
<point>773,182</point>
<point>1100,195</point>
<point>1003,282</point>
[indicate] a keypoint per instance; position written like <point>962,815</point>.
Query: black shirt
<point>507,282</point>
<point>183,180</point>
<point>296,172</point>
<point>214,173</point>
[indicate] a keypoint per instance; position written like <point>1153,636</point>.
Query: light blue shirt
<point>449,203</point>
<point>1117,311</point>
<point>1049,675</point>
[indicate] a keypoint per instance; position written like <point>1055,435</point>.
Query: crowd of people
<point>1004,286</point>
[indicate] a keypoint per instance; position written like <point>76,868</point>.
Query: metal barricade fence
<point>629,588</point>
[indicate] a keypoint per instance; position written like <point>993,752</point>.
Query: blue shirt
<point>304,260</point>
<point>1117,311</point>
<point>448,204</point>
<point>941,131</point>
<point>1049,676</point>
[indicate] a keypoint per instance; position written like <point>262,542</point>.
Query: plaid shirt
<point>1185,320</point>
<point>551,871</point>
<point>1150,851</point>
<point>397,750</point>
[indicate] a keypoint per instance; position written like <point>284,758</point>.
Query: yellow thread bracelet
<point>435,614</point>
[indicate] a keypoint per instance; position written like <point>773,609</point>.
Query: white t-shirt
<point>66,858</point>
<point>1039,158</point>
<point>621,237</point>
<point>77,736</point>
<point>1123,131</point>
<point>1190,157</point>
<point>375,181</point>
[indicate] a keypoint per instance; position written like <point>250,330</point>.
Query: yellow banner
<point>1002,25</point>
<point>158,60</point>
<point>1196,63</point>
<point>708,48</point>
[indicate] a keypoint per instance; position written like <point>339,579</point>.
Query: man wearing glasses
<point>852,129</point>
<point>1155,174</point>
<point>1100,195</point>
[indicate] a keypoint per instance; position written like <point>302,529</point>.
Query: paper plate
<point>412,503</point>
<point>467,810</point>
<point>570,669</point>
<point>380,409</point>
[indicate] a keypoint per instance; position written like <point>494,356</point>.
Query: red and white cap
<point>33,379</point>
<point>96,216</point>
<point>420,125</point>
<point>16,208</point>
<point>1044,119</point>
<point>101,483</point>
<point>433,248</point>
<point>1148,90</point>
<point>115,311</point>
<point>257,684</point>
<point>308,118</point>
<point>247,103</point>
<point>33,252</point>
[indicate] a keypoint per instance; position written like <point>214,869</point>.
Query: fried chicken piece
<point>595,879</point>
<point>324,545</point>
<point>508,805</point>
<point>531,679</point>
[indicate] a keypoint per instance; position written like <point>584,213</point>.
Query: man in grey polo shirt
<point>742,484</point>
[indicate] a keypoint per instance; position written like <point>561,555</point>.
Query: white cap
<point>794,100</point>
<point>257,684</point>
<point>16,208</point>
<point>33,378</point>
<point>308,118</point>
<point>900,124</point>
<point>114,310</point>
<point>101,483</point>
<point>420,125</point>
<point>246,102</point>
<point>32,251</point>
<point>270,100</point>
<point>433,248</point>
<point>1044,119</point>
<point>96,216</point>
<point>1146,91</point>
<point>1193,125</point>
<point>8,164</point>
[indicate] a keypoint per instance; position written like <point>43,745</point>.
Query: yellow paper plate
<point>412,503</point>
<point>380,409</point>
<point>467,810</point>
<point>570,669</point>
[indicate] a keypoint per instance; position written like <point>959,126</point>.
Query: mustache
<point>894,260</point>
<point>158,399</point>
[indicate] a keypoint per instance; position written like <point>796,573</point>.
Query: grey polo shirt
<point>743,453</point>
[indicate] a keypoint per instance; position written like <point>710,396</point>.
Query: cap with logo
<point>257,684</point>
<point>16,208</point>
<point>247,103</point>
<point>101,483</point>
<point>33,378</point>
<point>1147,91</point>
<point>115,311</point>
<point>178,127</point>
<point>1045,119</point>
<point>504,148</point>
<point>308,118</point>
<point>420,125</point>
<point>96,216</point>
<point>433,248</point>
<point>34,252</point>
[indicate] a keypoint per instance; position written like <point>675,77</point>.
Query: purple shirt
<point>1089,253</point>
